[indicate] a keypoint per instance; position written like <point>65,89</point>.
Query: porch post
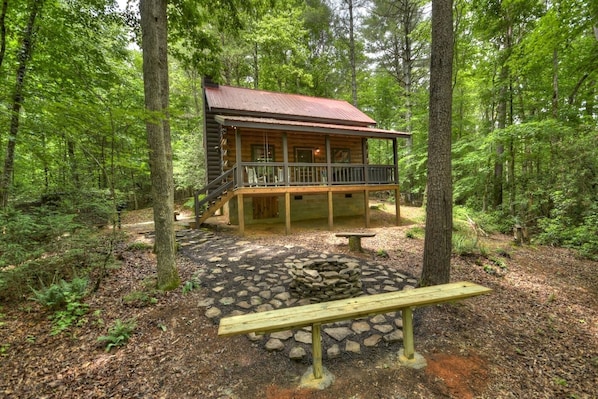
<point>285,160</point>
<point>398,206</point>
<point>241,213</point>
<point>395,158</point>
<point>398,189</point>
<point>238,159</point>
<point>287,213</point>
<point>366,202</point>
<point>328,162</point>
<point>330,210</point>
<point>366,160</point>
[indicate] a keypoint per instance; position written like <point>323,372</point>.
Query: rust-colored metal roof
<point>290,106</point>
<point>303,126</point>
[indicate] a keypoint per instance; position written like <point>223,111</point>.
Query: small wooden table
<point>355,239</point>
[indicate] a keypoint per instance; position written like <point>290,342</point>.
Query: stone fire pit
<point>322,280</point>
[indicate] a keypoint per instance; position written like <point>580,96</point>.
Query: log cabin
<point>277,158</point>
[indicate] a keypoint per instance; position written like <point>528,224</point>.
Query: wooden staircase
<point>217,193</point>
<point>213,207</point>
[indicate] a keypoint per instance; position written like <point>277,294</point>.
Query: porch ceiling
<point>303,127</point>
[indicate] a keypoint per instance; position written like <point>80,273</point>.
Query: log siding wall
<point>252,137</point>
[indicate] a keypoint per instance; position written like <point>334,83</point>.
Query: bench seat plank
<point>355,239</point>
<point>355,234</point>
<point>343,309</point>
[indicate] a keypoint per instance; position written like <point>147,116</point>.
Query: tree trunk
<point>439,208</point>
<point>23,57</point>
<point>555,84</point>
<point>155,78</point>
<point>500,148</point>
<point>352,54</point>
<point>3,30</point>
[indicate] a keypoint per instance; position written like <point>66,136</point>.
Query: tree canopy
<point>524,114</point>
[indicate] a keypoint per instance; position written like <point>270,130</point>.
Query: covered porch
<point>281,158</point>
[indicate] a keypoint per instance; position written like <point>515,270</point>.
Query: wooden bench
<point>355,239</point>
<point>315,315</point>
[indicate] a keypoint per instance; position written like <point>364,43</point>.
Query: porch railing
<point>256,174</point>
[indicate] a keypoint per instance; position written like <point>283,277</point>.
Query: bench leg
<point>407,356</point>
<point>316,377</point>
<point>316,343</point>
<point>355,244</point>
<point>408,345</point>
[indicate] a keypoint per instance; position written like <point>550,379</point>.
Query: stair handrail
<point>213,189</point>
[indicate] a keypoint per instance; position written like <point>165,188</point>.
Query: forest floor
<point>534,336</point>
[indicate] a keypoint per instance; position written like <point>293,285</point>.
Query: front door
<point>304,155</point>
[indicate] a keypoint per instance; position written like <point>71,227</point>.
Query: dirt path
<point>535,336</point>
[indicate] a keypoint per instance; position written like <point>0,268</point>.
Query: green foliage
<point>560,229</point>
<point>139,246</point>
<point>59,295</point>
<point>64,319</point>
<point>118,334</point>
<point>464,244</point>
<point>191,285</point>
<point>415,232</point>
<point>140,298</point>
<point>382,253</point>
<point>493,265</point>
<point>280,42</point>
<point>53,238</point>
<point>65,300</point>
<point>189,204</point>
<point>27,233</point>
<point>466,234</point>
<point>42,245</point>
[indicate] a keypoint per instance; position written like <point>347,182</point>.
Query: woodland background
<point>72,122</point>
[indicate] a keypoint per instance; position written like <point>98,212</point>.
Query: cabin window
<point>341,155</point>
<point>262,153</point>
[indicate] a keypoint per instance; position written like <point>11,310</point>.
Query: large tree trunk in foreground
<point>439,208</point>
<point>155,78</point>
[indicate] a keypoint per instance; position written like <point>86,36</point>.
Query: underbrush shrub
<point>562,229</point>
<point>118,334</point>
<point>28,262</point>
<point>65,300</point>
<point>467,231</point>
<point>416,232</point>
<point>58,295</point>
<point>53,238</point>
<point>464,244</point>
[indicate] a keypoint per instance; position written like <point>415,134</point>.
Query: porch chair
<point>279,178</point>
<point>252,177</point>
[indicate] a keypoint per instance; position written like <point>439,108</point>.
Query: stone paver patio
<point>241,277</point>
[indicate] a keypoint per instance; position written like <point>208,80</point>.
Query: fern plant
<point>65,299</point>
<point>118,334</point>
<point>59,295</point>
